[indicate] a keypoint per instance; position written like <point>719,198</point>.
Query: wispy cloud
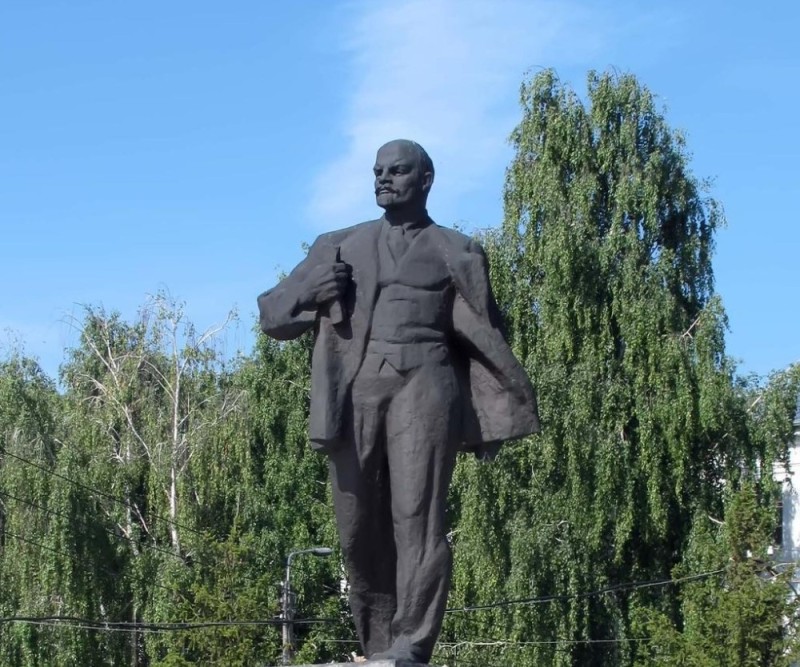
<point>444,73</point>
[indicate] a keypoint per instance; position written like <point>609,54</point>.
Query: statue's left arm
<point>290,308</point>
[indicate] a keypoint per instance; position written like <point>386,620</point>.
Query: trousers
<point>390,492</point>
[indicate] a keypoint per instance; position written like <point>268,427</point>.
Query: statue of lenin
<point>410,366</point>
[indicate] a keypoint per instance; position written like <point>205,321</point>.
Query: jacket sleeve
<point>280,314</point>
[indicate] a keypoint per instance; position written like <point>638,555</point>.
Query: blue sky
<point>194,146</point>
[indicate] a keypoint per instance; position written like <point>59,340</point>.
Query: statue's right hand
<point>325,282</point>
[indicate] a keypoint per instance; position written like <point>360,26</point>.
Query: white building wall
<point>789,550</point>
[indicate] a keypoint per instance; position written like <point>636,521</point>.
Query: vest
<point>412,317</point>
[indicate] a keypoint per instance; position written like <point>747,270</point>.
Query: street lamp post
<point>288,598</point>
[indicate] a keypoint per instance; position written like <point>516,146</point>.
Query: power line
<point>635,585</point>
<point>450,650</point>
<point>128,626</point>
<point>614,588</point>
<point>70,626</point>
<point>98,492</point>
<point>46,510</point>
<point>504,643</point>
<point>142,626</point>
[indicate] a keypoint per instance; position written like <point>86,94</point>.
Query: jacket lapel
<point>361,252</point>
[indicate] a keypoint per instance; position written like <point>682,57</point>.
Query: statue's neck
<point>405,216</point>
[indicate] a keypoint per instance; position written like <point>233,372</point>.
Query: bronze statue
<point>410,366</point>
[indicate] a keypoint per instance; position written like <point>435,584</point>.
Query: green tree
<point>603,270</point>
<point>746,615</point>
<point>262,492</point>
<point>291,506</point>
<point>55,558</point>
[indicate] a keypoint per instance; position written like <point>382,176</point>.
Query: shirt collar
<point>412,227</point>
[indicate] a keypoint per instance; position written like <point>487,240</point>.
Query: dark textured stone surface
<point>373,663</point>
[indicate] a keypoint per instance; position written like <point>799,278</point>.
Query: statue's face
<point>399,180</point>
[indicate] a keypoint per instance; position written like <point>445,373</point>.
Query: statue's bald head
<point>412,147</point>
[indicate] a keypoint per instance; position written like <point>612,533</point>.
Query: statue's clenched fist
<point>325,283</point>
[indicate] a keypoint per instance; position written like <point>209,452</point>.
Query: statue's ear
<point>427,181</point>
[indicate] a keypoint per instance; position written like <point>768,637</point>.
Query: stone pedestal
<point>373,663</point>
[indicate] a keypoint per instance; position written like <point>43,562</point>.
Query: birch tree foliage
<point>291,507</point>
<point>603,270</point>
<point>55,558</point>
<point>112,536</point>
<point>748,613</point>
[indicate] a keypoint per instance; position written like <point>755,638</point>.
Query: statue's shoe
<point>398,652</point>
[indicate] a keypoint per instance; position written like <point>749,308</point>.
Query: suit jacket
<point>499,401</point>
